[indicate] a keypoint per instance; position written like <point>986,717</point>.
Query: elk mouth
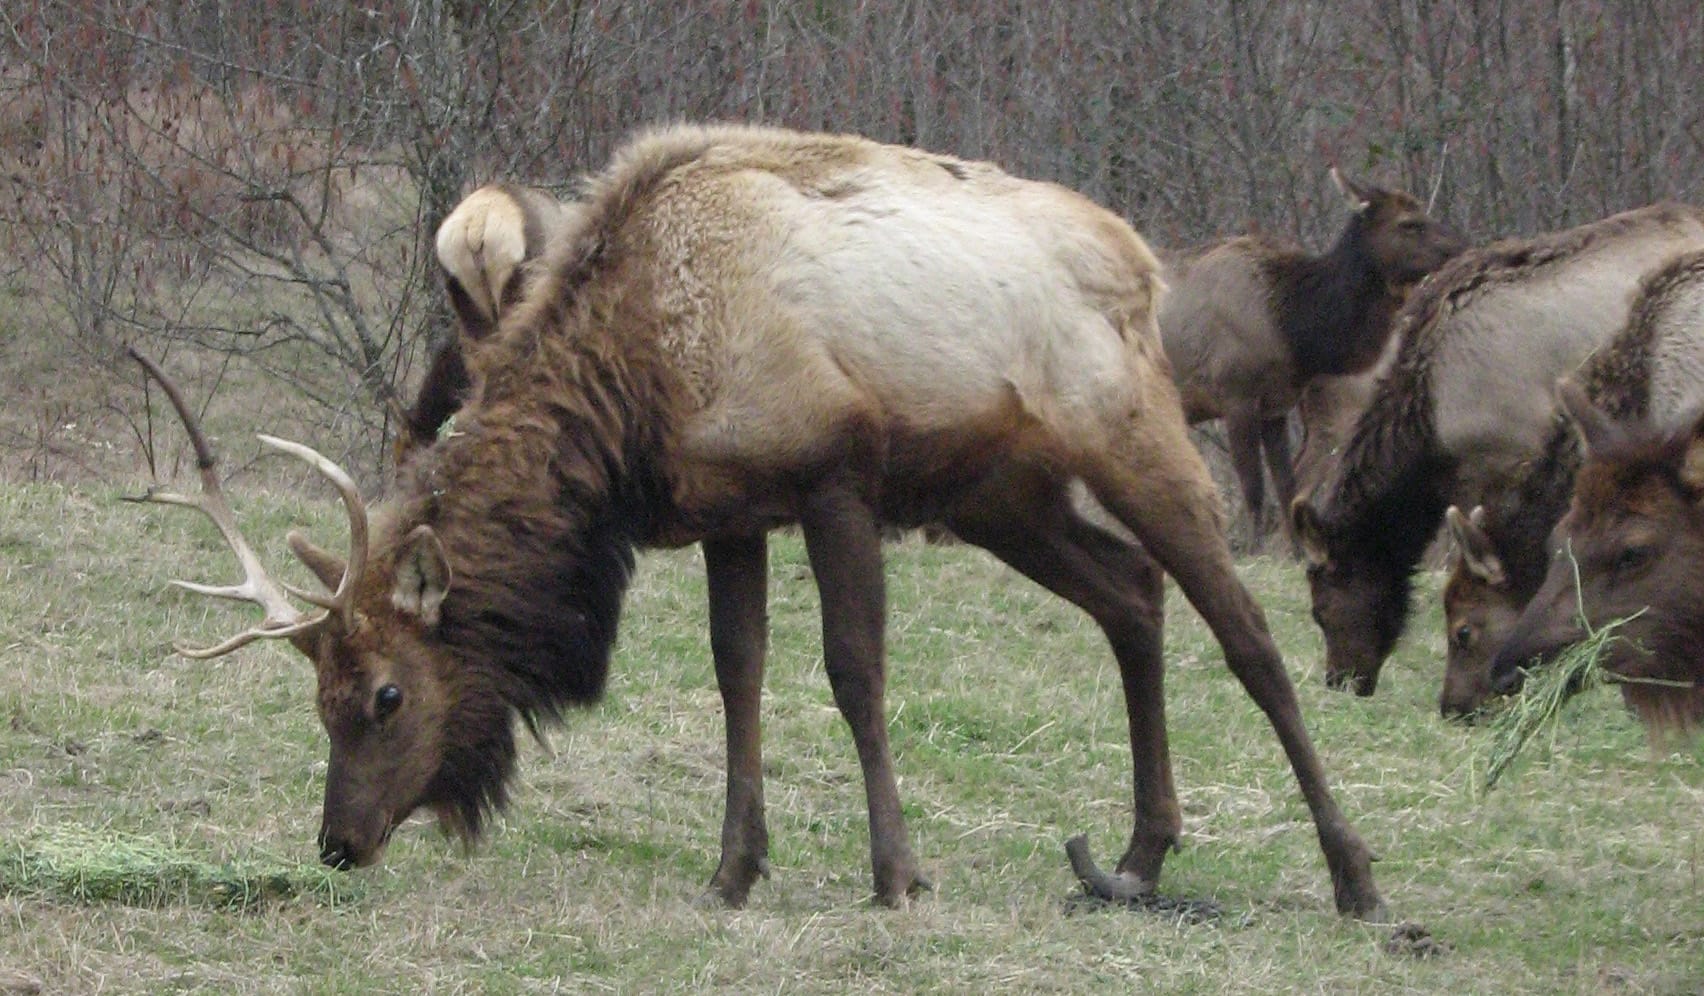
<point>1352,680</point>
<point>344,855</point>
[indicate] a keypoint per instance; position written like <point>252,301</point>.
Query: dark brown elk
<point>1652,369</point>
<point>488,248</point>
<point>742,328</point>
<point>1631,551</point>
<point>1468,402</point>
<point>1252,321</point>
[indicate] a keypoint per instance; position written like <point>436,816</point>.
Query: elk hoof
<point>897,898</point>
<point>730,888</point>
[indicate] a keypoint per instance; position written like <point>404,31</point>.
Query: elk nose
<point>334,854</point>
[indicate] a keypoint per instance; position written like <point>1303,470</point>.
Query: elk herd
<point>732,329</point>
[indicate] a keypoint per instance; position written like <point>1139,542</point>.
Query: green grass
<point>1580,874</point>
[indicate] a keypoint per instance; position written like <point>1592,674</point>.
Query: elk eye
<point>1464,636</point>
<point>386,700</point>
<point>1632,558</point>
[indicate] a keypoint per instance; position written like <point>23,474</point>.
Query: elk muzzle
<point>353,830</point>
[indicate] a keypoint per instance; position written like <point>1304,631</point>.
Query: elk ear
<point>1305,521</point>
<point>325,565</point>
<point>1352,192</point>
<point>422,577</point>
<point>1687,442</point>
<point>1477,554</point>
<point>1598,431</point>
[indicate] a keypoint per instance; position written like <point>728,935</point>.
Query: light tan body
<point>1502,346</point>
<point>907,305</point>
<point>485,241</point>
<point>1220,335</point>
<point>739,328</point>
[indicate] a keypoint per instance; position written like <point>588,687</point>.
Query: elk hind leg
<point>1161,491</point>
<point>1028,522</point>
<point>1275,445</point>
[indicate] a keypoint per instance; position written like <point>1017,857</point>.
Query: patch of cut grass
<point>84,865</point>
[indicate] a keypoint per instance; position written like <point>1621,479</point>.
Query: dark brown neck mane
<point>539,498</point>
<point>1334,309</point>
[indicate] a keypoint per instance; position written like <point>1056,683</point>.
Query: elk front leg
<point>845,554</point>
<point>1243,433</point>
<point>1275,446</point>
<point>737,572</point>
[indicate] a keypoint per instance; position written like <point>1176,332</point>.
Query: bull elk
<point>1467,404</point>
<point>1252,322</point>
<point>740,328</point>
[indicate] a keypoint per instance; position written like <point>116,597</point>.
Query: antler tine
<point>247,636</point>
<point>342,600</point>
<point>282,618</point>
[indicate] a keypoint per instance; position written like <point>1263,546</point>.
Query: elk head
<point>1629,551</point>
<point>1480,609</point>
<point>384,695</point>
<point>1404,242</point>
<point>1358,601</point>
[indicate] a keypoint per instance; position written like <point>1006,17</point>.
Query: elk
<point>742,328</point>
<point>1631,551</point>
<point>1467,402</point>
<point>488,247</point>
<point>1252,321</point>
<point>1652,369</point>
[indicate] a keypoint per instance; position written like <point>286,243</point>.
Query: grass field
<point>1579,874</point>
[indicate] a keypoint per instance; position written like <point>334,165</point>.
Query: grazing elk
<point>1467,402</point>
<point>488,248</point>
<point>1631,550</point>
<point>1250,322</point>
<point>1652,369</point>
<point>741,328</point>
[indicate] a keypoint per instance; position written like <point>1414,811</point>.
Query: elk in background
<point>1652,370</point>
<point>1250,322</point>
<point>487,247</point>
<point>1467,403</point>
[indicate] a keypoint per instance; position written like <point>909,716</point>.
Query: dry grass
<point>1581,876</point>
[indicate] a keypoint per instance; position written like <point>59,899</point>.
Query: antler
<point>282,618</point>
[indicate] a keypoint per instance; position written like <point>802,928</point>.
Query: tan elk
<point>1630,552</point>
<point>1252,321</point>
<point>742,328</point>
<point>488,248</point>
<point>1653,369</point>
<point>1466,405</point>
